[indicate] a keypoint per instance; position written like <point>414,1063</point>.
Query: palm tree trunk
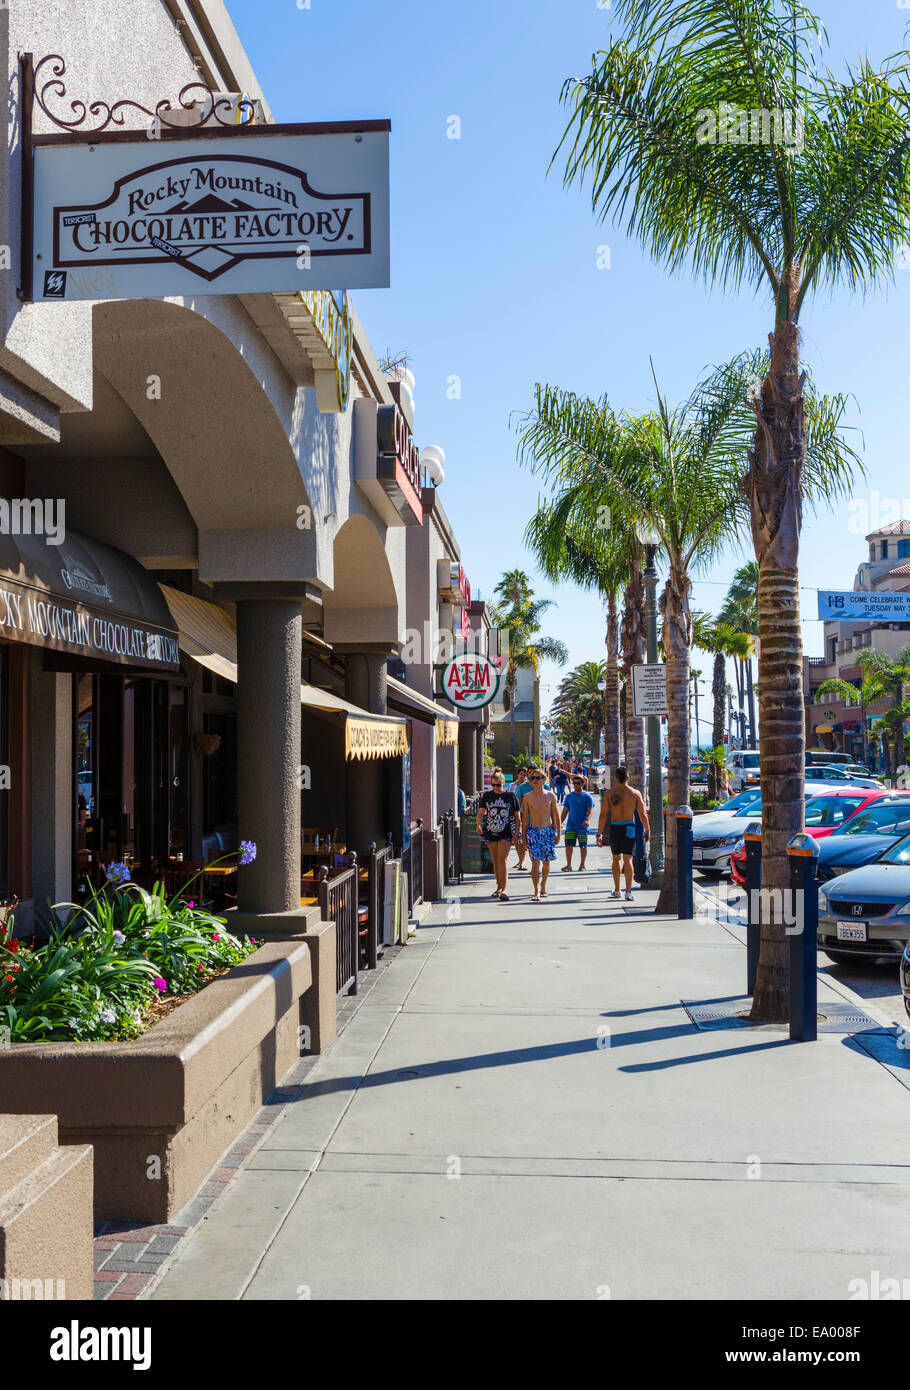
<point>750,696</point>
<point>719,692</point>
<point>677,635</point>
<point>775,500</point>
<point>611,691</point>
<point>740,696</point>
<point>633,653</point>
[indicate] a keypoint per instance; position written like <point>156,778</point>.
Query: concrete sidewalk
<point>523,1108</point>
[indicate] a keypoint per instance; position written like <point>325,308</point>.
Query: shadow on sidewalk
<point>508,1058</point>
<point>709,1056</point>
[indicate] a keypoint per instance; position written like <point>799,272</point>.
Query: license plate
<point>696,855</point>
<point>852,931</point>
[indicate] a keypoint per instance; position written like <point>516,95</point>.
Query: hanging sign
<point>883,607</point>
<point>470,682</point>
<point>261,209</point>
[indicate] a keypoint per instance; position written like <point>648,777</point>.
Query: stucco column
<point>366,685</point>
<point>467,757</point>
<point>268,752</point>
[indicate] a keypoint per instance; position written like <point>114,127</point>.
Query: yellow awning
<point>446,729</point>
<point>209,636</point>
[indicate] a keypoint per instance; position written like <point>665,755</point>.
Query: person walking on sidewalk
<point>540,829</point>
<point>497,821</point>
<point>521,786</point>
<point>577,810</point>
<point>617,811</point>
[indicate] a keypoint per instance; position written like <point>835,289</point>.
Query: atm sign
<point>469,682</point>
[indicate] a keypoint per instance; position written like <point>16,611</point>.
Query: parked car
<point>826,809</point>
<point>866,912</point>
<point>824,757</point>
<point>715,833</point>
<point>744,769</point>
<point>864,837</point>
<point>834,773</point>
<point>905,977</point>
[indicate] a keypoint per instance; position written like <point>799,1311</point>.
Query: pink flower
<point>160,984</point>
<point>216,937</point>
<point>191,903</point>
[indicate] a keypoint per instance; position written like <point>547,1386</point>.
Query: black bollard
<point>752,838</point>
<point>684,903</point>
<point>802,852</point>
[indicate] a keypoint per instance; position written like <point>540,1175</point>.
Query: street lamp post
<point>602,688</point>
<point>650,540</point>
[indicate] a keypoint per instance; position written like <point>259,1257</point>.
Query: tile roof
<point>894,528</point>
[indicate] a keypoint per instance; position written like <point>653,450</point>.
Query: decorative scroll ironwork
<point>195,97</point>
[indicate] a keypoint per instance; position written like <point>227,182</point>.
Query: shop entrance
<point>131,780</point>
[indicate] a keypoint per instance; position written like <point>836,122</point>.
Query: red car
<point>825,811</point>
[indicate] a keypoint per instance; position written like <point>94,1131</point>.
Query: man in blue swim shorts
<point>576,813</point>
<point>541,828</point>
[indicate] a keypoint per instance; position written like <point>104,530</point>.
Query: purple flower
<point>108,1016</point>
<point>117,872</point>
<point>249,851</point>
<point>160,984</point>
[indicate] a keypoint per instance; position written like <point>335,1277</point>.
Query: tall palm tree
<point>740,610</point>
<point>721,640</point>
<point>679,471</point>
<point>520,612</point>
<point>871,689</point>
<point>894,672</point>
<point>790,213</point>
<point>579,695</point>
<point>597,558</point>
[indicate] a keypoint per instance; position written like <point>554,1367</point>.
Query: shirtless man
<point>540,830</point>
<point>617,811</point>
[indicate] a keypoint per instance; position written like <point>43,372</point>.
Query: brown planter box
<point>161,1109</point>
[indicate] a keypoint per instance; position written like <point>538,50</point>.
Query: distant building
<point>527,718</point>
<point>832,723</point>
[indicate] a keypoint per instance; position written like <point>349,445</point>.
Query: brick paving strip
<point>131,1257</point>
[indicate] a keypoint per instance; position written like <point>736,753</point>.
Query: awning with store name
<point>209,635</point>
<point>401,696</point>
<point>81,597</point>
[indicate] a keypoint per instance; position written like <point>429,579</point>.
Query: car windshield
<point>752,808</point>
<point>823,811</point>
<point>878,820</point>
<point>742,799</point>
<point>897,854</point>
<point>750,760</point>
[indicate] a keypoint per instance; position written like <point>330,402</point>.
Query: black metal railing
<point>338,904</point>
<point>375,899</point>
<point>447,832</point>
<point>415,875</point>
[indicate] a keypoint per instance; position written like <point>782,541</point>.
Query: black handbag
<point>641,869</point>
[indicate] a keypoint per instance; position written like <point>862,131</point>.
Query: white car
<point>744,769</point>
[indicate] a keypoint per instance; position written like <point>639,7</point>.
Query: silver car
<point>866,912</point>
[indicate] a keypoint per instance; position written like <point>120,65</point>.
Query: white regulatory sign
<point>649,690</point>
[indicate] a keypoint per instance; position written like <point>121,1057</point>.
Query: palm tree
<point>871,689</point>
<point>721,640</point>
<point>593,559</point>
<point>520,612</point>
<point>579,695</point>
<point>740,610</point>
<point>679,472</point>
<point>790,213</point>
<point>895,674</point>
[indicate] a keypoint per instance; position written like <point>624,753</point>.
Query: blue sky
<point>494,264</point>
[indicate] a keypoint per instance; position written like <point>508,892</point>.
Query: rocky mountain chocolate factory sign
<point>262,209</point>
